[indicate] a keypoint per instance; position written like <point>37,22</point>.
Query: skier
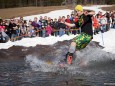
<point>85,23</point>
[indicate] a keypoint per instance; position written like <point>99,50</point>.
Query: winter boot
<point>69,58</point>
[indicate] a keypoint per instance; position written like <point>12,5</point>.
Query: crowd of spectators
<point>104,22</point>
<point>15,29</point>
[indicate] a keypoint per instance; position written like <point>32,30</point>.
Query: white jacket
<point>103,21</point>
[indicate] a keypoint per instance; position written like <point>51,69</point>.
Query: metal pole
<point>102,38</point>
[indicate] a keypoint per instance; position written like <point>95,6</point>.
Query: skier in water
<point>82,40</point>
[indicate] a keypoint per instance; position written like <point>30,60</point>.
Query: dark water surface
<point>38,66</point>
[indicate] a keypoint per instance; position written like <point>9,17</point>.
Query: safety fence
<point>70,31</point>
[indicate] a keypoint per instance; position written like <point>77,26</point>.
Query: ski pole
<point>102,38</point>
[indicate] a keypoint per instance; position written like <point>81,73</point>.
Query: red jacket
<point>75,19</point>
<point>2,28</point>
<point>48,30</point>
<point>95,23</point>
<point>68,21</point>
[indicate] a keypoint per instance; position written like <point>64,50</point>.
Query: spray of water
<point>92,53</point>
<point>40,65</point>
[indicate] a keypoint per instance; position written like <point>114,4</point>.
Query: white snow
<point>109,41</point>
<point>52,14</point>
<point>97,8</point>
<point>27,42</point>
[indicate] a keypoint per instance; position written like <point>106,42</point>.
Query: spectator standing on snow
<point>103,23</point>
<point>44,23</point>
<point>113,19</point>
<point>62,27</point>
<point>67,27</point>
<point>108,20</point>
<point>13,27</point>
<point>72,18</point>
<point>40,26</point>
<point>55,27</point>
<point>31,32</point>
<point>18,27</point>
<point>35,25</point>
<point>48,30</point>
<point>3,36</point>
<point>95,25</point>
<point>2,29</point>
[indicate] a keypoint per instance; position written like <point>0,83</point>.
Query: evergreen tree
<point>21,3</point>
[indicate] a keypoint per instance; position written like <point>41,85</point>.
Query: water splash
<point>40,65</point>
<point>92,54</point>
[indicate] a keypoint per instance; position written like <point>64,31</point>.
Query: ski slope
<point>108,37</point>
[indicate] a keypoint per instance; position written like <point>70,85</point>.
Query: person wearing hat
<point>85,23</point>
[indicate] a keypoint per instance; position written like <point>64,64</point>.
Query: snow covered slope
<point>109,41</point>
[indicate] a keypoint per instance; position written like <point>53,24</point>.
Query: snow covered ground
<point>108,40</point>
<point>108,37</point>
<point>65,12</point>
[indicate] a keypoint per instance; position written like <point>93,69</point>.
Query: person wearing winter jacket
<point>55,27</point>
<point>103,23</point>
<point>35,25</point>
<point>61,27</point>
<point>95,25</point>
<point>67,27</point>
<point>3,36</point>
<point>12,28</point>
<point>48,30</point>
<point>44,23</point>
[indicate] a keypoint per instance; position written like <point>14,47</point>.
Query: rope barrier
<point>39,31</point>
